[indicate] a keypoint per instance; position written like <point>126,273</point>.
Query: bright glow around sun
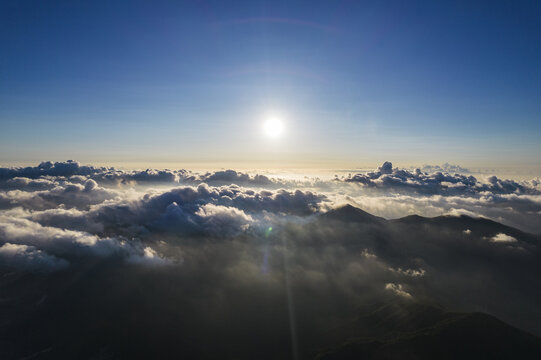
<point>274,127</point>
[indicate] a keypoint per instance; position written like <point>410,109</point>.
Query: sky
<point>192,83</point>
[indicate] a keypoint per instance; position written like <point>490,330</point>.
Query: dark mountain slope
<point>349,213</point>
<point>463,265</point>
<point>417,331</point>
<point>475,225</point>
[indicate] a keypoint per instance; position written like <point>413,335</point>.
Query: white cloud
<point>148,256</point>
<point>503,238</point>
<point>409,272</point>
<point>223,220</point>
<point>387,178</point>
<point>397,289</point>
<point>63,242</point>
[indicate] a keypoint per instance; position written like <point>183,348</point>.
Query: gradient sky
<point>191,83</point>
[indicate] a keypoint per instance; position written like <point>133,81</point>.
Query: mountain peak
<point>350,213</point>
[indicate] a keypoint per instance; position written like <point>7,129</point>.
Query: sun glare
<point>273,127</point>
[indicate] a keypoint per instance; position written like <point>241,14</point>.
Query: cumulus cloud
<point>280,201</point>
<point>24,257</point>
<point>223,220</point>
<point>226,177</point>
<point>209,218</point>
<point>224,210</point>
<point>448,168</point>
<point>33,238</point>
<point>48,168</point>
<point>397,289</point>
<point>387,178</point>
<point>503,238</point>
<point>72,215</point>
<point>65,194</point>
<point>148,256</point>
<point>42,177</point>
<point>27,184</point>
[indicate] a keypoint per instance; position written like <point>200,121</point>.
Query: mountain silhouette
<point>476,225</point>
<point>408,330</point>
<point>349,213</point>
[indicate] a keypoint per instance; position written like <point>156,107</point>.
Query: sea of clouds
<point>53,211</point>
<point>265,253</point>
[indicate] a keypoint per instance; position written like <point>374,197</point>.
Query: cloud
<point>225,210</point>
<point>431,179</point>
<point>223,220</point>
<point>133,177</point>
<point>39,177</point>
<point>210,219</point>
<point>26,184</point>
<point>48,168</point>
<point>148,256</point>
<point>387,178</point>
<point>409,272</point>
<point>503,238</point>
<point>233,177</point>
<point>77,217</point>
<point>65,243</point>
<point>448,168</point>
<point>65,193</point>
<point>387,191</point>
<point>278,201</point>
<point>259,255</point>
<point>398,289</point>
<point>29,258</point>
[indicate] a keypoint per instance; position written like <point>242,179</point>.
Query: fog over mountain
<point>105,263</point>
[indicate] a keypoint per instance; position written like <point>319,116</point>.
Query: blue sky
<point>191,83</point>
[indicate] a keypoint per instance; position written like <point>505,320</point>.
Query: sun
<point>273,127</point>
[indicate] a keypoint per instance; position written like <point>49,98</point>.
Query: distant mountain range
<point>345,285</point>
<point>351,214</point>
<point>407,329</point>
<point>402,330</point>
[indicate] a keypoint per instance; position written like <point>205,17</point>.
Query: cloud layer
<point>190,254</point>
<point>120,210</point>
<point>398,180</point>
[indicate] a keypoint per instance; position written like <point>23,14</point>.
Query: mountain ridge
<point>388,333</point>
<point>351,214</point>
